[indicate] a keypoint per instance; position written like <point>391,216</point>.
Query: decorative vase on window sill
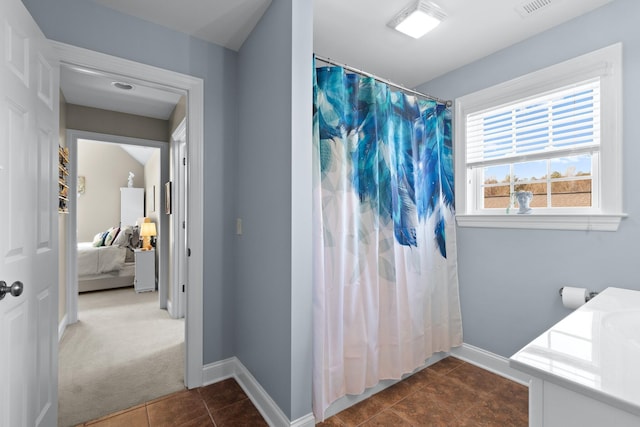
<point>524,198</point>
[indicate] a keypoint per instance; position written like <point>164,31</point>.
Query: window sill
<point>587,222</point>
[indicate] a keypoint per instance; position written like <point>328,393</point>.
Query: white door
<point>178,225</point>
<point>29,82</point>
<point>182,231</point>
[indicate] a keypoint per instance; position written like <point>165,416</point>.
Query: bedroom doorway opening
<point>125,346</point>
<point>119,186</point>
<point>192,201</point>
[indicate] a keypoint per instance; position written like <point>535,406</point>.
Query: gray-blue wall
<point>509,279</point>
<point>273,186</point>
<point>257,287</point>
<point>88,25</point>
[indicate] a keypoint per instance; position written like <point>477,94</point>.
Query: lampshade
<point>418,19</point>
<point>148,229</point>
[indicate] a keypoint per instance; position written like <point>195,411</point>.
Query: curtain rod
<point>446,102</point>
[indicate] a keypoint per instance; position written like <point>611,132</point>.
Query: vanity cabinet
<point>585,369</point>
<point>551,405</point>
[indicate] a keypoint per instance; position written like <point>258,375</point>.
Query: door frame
<point>74,56</point>
<point>178,150</point>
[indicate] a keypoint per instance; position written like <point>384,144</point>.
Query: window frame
<point>605,64</point>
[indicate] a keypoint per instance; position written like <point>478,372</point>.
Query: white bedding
<point>92,260</point>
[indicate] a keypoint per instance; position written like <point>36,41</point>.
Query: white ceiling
<point>224,22</point>
<point>139,153</point>
<point>95,89</point>
<point>353,32</point>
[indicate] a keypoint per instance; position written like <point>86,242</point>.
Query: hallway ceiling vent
<point>531,7</point>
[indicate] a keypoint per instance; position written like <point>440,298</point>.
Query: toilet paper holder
<point>589,295</point>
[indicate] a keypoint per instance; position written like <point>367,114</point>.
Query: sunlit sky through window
<point>566,166</point>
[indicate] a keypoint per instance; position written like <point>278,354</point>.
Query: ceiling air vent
<point>531,7</point>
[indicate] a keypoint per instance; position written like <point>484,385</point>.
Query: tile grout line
<point>390,407</point>
<point>204,402</point>
<point>146,411</point>
<point>443,375</point>
<point>399,414</point>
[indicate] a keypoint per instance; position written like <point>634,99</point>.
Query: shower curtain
<point>385,274</point>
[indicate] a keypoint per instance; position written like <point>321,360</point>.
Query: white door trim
<point>194,87</point>
<point>178,138</point>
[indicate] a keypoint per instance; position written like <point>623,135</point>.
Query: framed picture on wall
<point>167,198</point>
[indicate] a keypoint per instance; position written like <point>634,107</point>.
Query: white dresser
<point>145,279</point>
<point>131,205</point>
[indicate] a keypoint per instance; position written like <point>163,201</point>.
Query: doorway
<point>125,349</point>
<point>193,87</point>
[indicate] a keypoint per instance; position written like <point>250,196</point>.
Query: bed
<point>105,266</point>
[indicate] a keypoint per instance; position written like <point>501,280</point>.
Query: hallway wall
<point>89,25</point>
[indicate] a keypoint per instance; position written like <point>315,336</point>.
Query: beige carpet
<point>123,351</point>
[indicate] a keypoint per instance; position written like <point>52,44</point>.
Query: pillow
<point>111,235</point>
<point>97,240</point>
<point>104,236</point>
<point>115,235</point>
<point>134,241</point>
<point>122,239</point>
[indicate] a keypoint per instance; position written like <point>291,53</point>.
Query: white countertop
<point>594,351</point>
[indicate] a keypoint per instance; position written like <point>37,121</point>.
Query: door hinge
<point>188,251</point>
<point>184,161</point>
<point>184,225</point>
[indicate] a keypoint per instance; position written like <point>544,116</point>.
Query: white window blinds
<point>560,123</point>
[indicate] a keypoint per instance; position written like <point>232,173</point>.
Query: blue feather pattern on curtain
<point>411,183</point>
<point>385,269</point>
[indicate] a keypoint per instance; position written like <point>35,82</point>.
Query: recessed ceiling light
<point>122,85</point>
<point>418,19</point>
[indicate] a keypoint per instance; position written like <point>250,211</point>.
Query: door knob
<point>15,289</point>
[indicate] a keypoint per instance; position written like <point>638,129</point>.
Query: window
<point>548,145</point>
<point>556,133</point>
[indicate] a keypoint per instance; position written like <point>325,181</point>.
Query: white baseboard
<point>170,309</point>
<point>62,326</point>
<point>307,421</point>
<point>491,362</point>
<point>270,411</point>
<point>263,402</point>
<point>220,370</point>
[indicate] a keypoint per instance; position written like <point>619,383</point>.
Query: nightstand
<point>145,279</point>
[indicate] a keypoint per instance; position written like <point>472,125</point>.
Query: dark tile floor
<point>448,393</point>
<point>220,404</point>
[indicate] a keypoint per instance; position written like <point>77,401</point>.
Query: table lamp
<point>147,230</point>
